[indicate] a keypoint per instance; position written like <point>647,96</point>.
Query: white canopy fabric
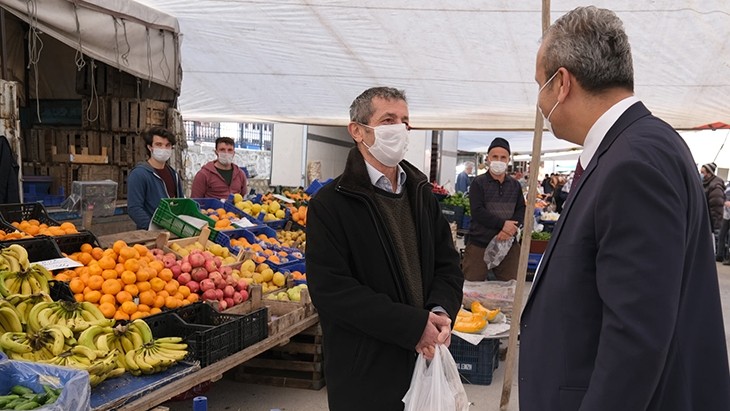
<point>124,34</point>
<point>464,65</point>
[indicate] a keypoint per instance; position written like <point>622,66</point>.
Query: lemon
<point>278,279</point>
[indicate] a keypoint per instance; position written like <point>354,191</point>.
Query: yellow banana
<point>127,344</point>
<point>143,328</point>
<point>130,362</point>
<point>11,341</point>
<point>139,358</point>
<point>94,310</point>
<point>9,320</point>
<point>22,255</point>
<point>136,339</point>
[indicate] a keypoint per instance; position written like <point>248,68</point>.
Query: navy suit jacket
<point>624,312</point>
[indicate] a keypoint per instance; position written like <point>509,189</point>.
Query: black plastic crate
<point>25,211</point>
<point>255,327</point>
<point>210,335</point>
<point>39,248</point>
<point>71,243</point>
<point>453,214</point>
<point>476,363</point>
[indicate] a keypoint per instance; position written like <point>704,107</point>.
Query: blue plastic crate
<point>533,260</point>
<point>476,363</point>
<point>315,186</point>
<point>466,222</point>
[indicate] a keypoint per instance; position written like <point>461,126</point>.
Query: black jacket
<point>715,193</point>
<point>370,330</point>
<point>9,188</point>
<point>624,312</point>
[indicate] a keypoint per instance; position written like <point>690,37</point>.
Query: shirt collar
<point>379,179</point>
<point>601,126</point>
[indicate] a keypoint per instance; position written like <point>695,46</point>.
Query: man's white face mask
<point>548,125</point>
<point>391,143</point>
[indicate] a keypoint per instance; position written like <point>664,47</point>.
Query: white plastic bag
<point>496,251</point>
<point>436,386</point>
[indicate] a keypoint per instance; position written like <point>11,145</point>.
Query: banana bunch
<point>100,365</point>
<point>14,258</point>
<point>155,356</point>
<point>44,344</point>
<point>10,318</point>
<point>31,280</point>
<point>126,338</point>
<point>16,345</point>
<point>77,316</point>
<point>24,303</point>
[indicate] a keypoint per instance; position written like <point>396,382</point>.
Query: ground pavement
<point>228,395</point>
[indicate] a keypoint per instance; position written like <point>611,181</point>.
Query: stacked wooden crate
<point>297,364</point>
<point>105,143</point>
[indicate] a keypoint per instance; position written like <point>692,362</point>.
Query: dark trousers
<point>475,269</point>
<point>722,242</point>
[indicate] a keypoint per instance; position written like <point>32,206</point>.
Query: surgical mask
<point>225,158</point>
<point>497,167</point>
<point>161,154</point>
<point>391,143</point>
<point>548,125</point>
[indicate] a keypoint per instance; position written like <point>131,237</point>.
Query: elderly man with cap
<point>715,193</point>
<point>497,209</point>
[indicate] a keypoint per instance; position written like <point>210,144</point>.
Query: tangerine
<point>129,307</point>
<point>108,309</point>
<point>111,286</point>
<point>92,296</point>
<point>108,298</point>
<point>121,315</point>
<point>124,296</point>
<point>129,277</point>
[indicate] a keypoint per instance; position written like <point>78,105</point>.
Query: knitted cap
<point>500,142</point>
<point>710,167</point>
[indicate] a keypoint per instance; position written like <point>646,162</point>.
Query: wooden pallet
<point>297,364</point>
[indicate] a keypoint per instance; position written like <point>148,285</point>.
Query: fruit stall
<point>219,286</point>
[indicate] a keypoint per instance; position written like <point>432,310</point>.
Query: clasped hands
<point>509,230</point>
<point>437,331</point>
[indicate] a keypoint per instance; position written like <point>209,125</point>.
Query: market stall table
<point>214,371</point>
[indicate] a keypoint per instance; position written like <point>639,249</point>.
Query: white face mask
<point>548,125</point>
<point>225,158</point>
<point>161,154</point>
<point>497,167</point>
<point>391,143</point>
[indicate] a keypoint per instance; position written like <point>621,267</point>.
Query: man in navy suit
<point>624,312</point>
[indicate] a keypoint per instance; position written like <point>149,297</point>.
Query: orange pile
<point>13,236</point>
<point>221,217</point>
<point>299,215</point>
<point>34,227</point>
<point>125,282</point>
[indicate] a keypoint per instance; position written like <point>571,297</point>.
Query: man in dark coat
<point>714,192</point>
<point>624,312</point>
<point>9,187</point>
<point>381,264</point>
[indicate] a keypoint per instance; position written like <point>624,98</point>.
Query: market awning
<point>464,65</point>
<point>124,34</point>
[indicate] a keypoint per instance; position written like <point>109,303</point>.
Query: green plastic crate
<point>166,216</point>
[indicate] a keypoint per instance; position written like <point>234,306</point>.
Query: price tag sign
<point>284,199</point>
<point>59,263</point>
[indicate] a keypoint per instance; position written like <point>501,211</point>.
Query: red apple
<point>184,278</point>
<point>176,270</point>
<point>223,305</point>
<point>242,285</point>
<point>237,298</point>
<point>199,274</point>
<point>210,295</point>
<point>218,261</point>
<point>210,266</point>
<point>229,301</point>
<point>219,293</point>
<point>194,286</point>
<point>185,266</point>
<point>207,285</point>
<point>196,260</point>
<point>228,291</point>
<point>244,294</point>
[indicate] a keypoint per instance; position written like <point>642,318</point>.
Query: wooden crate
<point>297,364</point>
<point>95,113</point>
<point>89,172</point>
<point>134,115</point>
<point>122,182</point>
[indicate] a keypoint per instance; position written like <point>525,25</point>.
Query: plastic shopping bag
<point>436,386</point>
<point>496,251</point>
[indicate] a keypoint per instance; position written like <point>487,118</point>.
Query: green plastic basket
<point>166,216</point>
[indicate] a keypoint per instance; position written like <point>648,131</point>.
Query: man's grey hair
<point>592,45</point>
<point>361,109</point>
<point>469,164</point>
